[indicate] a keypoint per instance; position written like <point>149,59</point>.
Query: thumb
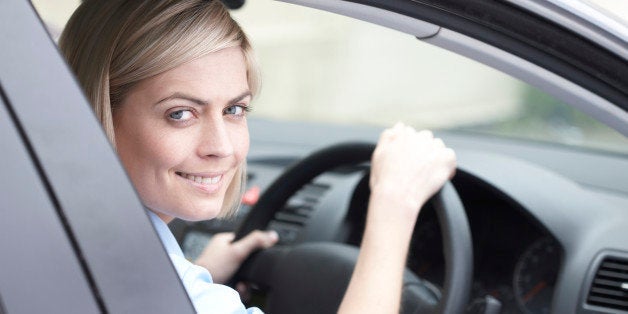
<point>256,240</point>
<point>224,237</point>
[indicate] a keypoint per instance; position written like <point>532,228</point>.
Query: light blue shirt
<point>206,296</point>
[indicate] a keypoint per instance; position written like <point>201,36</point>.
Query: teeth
<point>199,179</point>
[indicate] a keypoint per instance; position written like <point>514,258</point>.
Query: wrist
<point>388,225</point>
<point>394,205</point>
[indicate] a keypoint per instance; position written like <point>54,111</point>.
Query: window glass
<point>55,14</point>
<point>323,67</point>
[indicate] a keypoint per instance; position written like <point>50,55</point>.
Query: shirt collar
<point>166,236</point>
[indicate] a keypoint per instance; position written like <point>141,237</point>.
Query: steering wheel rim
<point>457,246</point>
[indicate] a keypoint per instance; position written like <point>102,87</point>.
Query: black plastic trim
<point>584,306</point>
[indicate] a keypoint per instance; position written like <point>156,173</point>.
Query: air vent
<point>289,221</point>
<point>610,285</point>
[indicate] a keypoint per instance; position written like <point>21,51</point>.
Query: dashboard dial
<point>535,276</point>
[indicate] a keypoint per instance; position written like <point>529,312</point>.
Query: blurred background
<point>322,67</point>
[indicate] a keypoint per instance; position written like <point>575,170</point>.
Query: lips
<point>201,179</point>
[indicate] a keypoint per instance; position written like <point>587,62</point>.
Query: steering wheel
<point>312,277</point>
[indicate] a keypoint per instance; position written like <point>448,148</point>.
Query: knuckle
<point>438,142</point>
<point>427,133</point>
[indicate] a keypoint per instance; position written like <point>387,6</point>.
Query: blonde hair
<point>114,44</point>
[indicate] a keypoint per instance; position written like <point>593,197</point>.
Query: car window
<point>55,14</point>
<point>322,67</point>
<point>618,10</point>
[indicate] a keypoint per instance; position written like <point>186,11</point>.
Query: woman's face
<point>182,135</point>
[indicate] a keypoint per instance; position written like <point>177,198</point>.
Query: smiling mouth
<point>200,179</point>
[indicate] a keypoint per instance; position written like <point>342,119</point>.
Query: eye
<point>181,115</point>
<point>236,110</point>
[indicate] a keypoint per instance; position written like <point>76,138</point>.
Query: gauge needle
<point>534,291</point>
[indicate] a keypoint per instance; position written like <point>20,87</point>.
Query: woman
<point>171,82</point>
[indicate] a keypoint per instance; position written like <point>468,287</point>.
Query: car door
<point>73,235</point>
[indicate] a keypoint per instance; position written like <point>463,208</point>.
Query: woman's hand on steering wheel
<point>408,167</point>
<point>222,256</point>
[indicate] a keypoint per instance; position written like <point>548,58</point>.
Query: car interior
<point>534,220</point>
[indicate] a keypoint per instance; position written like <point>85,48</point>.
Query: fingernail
<point>273,234</point>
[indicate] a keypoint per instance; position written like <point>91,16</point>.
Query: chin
<point>202,213</point>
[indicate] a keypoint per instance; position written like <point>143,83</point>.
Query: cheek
<point>145,150</point>
<point>240,140</point>
<point>166,148</point>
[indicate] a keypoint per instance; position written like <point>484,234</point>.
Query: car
<point>536,221</point>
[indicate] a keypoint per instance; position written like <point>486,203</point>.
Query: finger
<point>224,237</point>
<point>425,134</point>
<point>272,237</point>
<point>391,133</point>
<point>387,135</point>
<point>243,290</point>
<point>256,240</point>
<point>408,129</point>
<point>438,143</point>
<point>450,155</point>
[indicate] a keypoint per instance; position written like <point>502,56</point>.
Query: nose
<point>215,140</point>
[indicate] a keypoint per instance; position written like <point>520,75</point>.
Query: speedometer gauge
<point>535,275</point>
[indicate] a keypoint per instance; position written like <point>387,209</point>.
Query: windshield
<point>322,67</point>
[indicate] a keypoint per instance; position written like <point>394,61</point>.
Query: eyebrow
<point>201,102</point>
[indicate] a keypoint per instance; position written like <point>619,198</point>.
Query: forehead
<point>221,72</point>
